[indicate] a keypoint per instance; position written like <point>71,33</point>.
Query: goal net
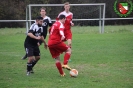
<point>83,14</point>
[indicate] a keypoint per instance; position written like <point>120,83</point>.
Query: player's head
<point>62,18</point>
<point>43,11</point>
<point>66,6</point>
<point>39,21</point>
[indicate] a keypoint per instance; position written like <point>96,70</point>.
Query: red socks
<point>66,58</point>
<point>59,67</point>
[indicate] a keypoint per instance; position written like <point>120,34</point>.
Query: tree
<point>17,10</point>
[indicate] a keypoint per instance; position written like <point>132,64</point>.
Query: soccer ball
<point>73,73</point>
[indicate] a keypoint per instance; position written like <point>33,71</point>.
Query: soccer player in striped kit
<point>34,34</point>
<point>46,22</point>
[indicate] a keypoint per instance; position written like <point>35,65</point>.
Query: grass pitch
<point>103,60</point>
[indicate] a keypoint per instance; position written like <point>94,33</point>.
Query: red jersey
<point>55,36</point>
<point>68,21</point>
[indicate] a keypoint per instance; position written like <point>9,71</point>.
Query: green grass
<point>103,60</point>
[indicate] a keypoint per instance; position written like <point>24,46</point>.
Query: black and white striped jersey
<point>36,31</point>
<point>46,22</point>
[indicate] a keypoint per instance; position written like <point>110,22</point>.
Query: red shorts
<point>57,49</point>
<point>68,34</point>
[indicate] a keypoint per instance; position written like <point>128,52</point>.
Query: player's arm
<point>30,34</point>
<point>34,37</point>
<point>61,31</point>
<point>62,35</point>
<point>43,40</point>
<point>72,24</point>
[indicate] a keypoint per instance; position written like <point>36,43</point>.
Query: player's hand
<point>62,38</point>
<point>45,46</point>
<point>72,24</point>
<point>38,44</point>
<point>38,38</point>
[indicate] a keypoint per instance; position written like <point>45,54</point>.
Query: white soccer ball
<point>74,73</point>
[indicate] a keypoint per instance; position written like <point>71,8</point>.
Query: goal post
<point>83,14</point>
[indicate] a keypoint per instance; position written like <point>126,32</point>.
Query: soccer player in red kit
<point>68,23</point>
<point>56,44</point>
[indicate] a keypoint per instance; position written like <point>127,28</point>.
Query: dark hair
<point>39,18</point>
<point>62,17</point>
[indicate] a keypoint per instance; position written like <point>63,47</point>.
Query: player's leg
<point>37,57</point>
<point>69,41</point>
<point>24,57</point>
<point>30,55</point>
<point>34,62</point>
<point>58,65</point>
<point>29,64</point>
<point>67,55</point>
<point>55,51</point>
<point>66,59</point>
<point>68,35</point>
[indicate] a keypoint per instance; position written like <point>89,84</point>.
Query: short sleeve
<point>32,28</point>
<point>61,28</point>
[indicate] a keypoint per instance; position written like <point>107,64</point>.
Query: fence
<point>100,17</point>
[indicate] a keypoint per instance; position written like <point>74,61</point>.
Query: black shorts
<point>32,50</point>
